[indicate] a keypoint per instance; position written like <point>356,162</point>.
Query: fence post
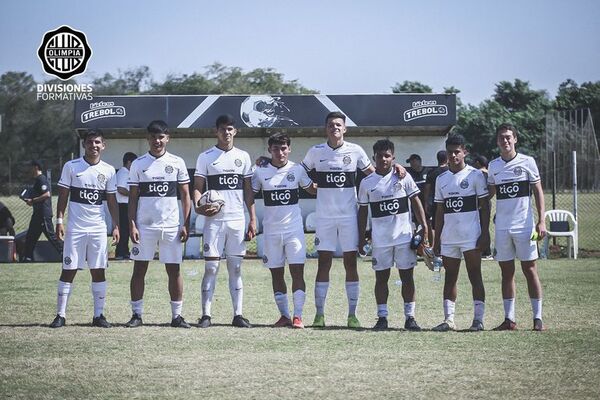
<point>575,183</point>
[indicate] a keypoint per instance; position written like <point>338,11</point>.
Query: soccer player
<point>336,162</point>
<point>84,183</point>
<point>154,220</point>
<point>228,170</point>
<point>462,223</point>
<point>512,178</point>
<point>122,250</point>
<point>392,201</point>
<point>282,225</point>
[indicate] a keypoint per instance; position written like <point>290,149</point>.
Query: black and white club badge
<point>67,260</point>
<point>317,241</point>
<point>238,162</point>
<point>464,184</point>
<point>64,52</point>
<point>347,160</point>
<point>169,169</point>
<point>206,247</point>
<point>135,251</point>
<point>518,171</point>
<point>101,178</point>
<point>374,261</point>
<point>265,259</point>
<point>290,177</point>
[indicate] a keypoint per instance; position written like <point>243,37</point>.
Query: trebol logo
<point>102,109</point>
<point>64,52</point>
<point>425,108</point>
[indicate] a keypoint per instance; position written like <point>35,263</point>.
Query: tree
<point>572,96</point>
<point>411,87</point>
<point>128,82</point>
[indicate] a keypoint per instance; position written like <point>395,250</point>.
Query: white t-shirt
<point>157,180</point>
<point>336,177</point>
<point>280,193</point>
<point>513,180</point>
<point>460,193</point>
<point>88,185</point>
<point>122,179</point>
<point>224,172</point>
<point>389,199</point>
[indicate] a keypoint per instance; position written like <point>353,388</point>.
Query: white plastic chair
<point>564,225</point>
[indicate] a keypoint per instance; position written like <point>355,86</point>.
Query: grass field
<point>225,362</point>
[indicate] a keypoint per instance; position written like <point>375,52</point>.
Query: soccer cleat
<point>179,322</point>
<point>447,325</point>
<point>476,326</point>
<point>101,322</point>
<point>297,323</point>
<point>204,322</point>
<point>507,325</point>
<point>381,324</point>
<point>353,322</point>
<point>538,325</point>
<point>58,322</point>
<point>135,321</point>
<point>282,322</point>
<point>319,321</point>
<point>411,325</point>
<point>241,322</point>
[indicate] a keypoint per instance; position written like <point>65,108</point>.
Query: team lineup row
<point>459,220</point>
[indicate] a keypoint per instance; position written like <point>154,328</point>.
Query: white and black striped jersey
<point>157,179</point>
<point>459,193</point>
<point>225,171</point>
<point>513,180</point>
<point>280,193</point>
<point>389,200</point>
<point>88,185</point>
<point>336,177</point>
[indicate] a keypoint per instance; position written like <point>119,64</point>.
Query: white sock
<point>409,309</point>
<point>62,298</point>
<point>176,307</point>
<point>236,287</point>
<point>536,307</point>
<point>211,268</point>
<point>352,292</point>
<point>478,310</point>
<point>509,309</point>
<point>281,299</point>
<point>299,297</point>
<point>382,310</point>
<point>320,296</point>
<point>449,307</point>
<point>137,307</point>
<point>99,293</point>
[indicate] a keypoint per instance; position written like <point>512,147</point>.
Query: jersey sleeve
<point>534,173</point>
<point>481,185</point>
<point>363,195</point>
<point>111,184</point>
<point>201,167</point>
<point>44,186</point>
<point>182,173</point>
<point>65,176</point>
<point>134,179</point>
<point>439,196</point>
<point>309,160</point>
<point>256,186</point>
<point>304,180</point>
<point>248,166</point>
<point>363,161</point>
<point>410,186</point>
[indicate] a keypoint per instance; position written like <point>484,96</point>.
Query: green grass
<point>225,362</point>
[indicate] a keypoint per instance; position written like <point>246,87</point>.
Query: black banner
<point>334,179</point>
<point>158,189</point>
<point>512,189</point>
<point>460,204</point>
<point>92,197</point>
<point>283,197</point>
<point>225,182</point>
<point>389,207</point>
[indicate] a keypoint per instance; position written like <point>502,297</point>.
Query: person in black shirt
<point>7,221</point>
<point>40,199</point>
<point>442,160</point>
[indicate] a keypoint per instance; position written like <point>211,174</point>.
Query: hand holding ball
<point>213,200</point>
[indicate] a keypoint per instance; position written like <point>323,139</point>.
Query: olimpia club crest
<point>64,52</point>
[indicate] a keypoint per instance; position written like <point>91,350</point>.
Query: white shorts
<point>400,255</point>
<point>328,231</point>
<point>282,246</point>
<point>457,250</point>
<point>515,243</point>
<point>85,250</point>
<point>170,248</point>
<point>224,238</point>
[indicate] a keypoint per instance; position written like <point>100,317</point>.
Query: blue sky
<point>336,47</point>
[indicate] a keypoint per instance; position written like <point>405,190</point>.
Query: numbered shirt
<point>88,185</point>
<point>225,171</point>
<point>459,193</point>
<point>389,200</point>
<point>513,180</point>
<point>280,193</point>
<point>336,177</point>
<point>157,179</point>
<point>122,182</point>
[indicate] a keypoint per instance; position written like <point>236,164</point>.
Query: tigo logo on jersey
<point>102,109</point>
<point>455,203</point>
<point>64,52</point>
<point>425,108</point>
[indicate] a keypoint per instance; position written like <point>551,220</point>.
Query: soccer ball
<point>212,198</point>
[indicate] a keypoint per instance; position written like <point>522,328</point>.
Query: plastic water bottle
<point>437,269</point>
<point>367,249</point>
<point>416,241</point>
